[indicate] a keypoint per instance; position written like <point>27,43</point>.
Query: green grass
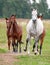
<point>3,50</point>
<point>44,59</point>
<point>3,36</point>
<point>33,60</point>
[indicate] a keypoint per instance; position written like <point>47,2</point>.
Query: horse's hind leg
<point>41,40</point>
<point>9,42</point>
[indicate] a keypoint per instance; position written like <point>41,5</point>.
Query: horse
<point>14,32</point>
<point>36,30</point>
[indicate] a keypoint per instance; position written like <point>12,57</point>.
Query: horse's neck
<point>9,28</point>
<point>15,27</point>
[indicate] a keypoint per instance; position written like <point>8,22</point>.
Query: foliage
<point>22,8</point>
<point>19,7</point>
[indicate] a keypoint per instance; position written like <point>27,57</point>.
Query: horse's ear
<point>13,15</point>
<point>6,18</point>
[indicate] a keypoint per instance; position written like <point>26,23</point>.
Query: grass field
<point>32,59</point>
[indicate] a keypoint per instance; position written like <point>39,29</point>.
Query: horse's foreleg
<point>20,47</point>
<point>13,47</point>
<point>13,44</point>
<point>16,44</point>
<point>26,45</point>
<point>29,47</point>
<point>36,44</point>
<point>33,47</point>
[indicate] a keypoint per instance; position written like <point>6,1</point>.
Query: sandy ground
<point>7,59</point>
<point>10,57</point>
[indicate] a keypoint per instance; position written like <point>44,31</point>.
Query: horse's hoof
<point>25,50</point>
<point>13,50</point>
<point>35,53</point>
<point>16,51</point>
<point>32,50</point>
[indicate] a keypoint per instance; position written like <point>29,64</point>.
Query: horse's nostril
<point>34,21</point>
<point>12,22</point>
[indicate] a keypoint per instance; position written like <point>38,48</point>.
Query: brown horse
<point>14,32</point>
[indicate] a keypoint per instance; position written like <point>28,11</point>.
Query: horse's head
<point>10,21</point>
<point>13,18</point>
<point>7,23</point>
<point>40,16</point>
<point>11,24</point>
<point>34,15</point>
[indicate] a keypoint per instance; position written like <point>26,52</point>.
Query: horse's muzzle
<point>12,22</point>
<point>34,21</point>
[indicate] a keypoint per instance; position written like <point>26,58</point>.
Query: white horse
<point>35,29</point>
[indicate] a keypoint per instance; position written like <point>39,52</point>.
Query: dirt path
<point>7,59</point>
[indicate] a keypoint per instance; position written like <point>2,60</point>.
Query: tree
<point>1,6</point>
<point>19,7</point>
<point>43,8</point>
<point>22,8</point>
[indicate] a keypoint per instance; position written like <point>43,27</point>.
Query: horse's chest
<point>32,31</point>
